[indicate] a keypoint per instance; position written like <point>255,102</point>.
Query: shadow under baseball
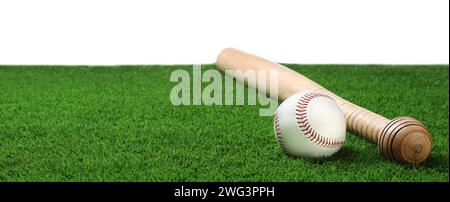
<point>345,154</point>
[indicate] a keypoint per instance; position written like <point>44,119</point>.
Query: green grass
<point>118,124</point>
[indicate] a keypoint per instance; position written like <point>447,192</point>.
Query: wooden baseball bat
<point>403,139</point>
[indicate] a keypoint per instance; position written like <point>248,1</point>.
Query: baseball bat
<point>403,139</point>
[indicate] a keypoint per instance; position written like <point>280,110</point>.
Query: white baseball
<point>309,124</point>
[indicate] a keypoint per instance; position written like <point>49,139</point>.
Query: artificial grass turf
<point>118,124</point>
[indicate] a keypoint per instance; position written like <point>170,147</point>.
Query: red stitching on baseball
<point>304,125</point>
<point>318,140</point>
<point>308,129</point>
<point>298,110</point>
<point>278,133</point>
<point>327,142</point>
<point>302,122</point>
<point>312,134</point>
<point>305,100</point>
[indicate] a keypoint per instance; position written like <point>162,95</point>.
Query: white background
<point>194,31</point>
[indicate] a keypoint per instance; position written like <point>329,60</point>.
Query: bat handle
<point>403,139</point>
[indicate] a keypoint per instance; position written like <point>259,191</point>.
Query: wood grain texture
<point>403,139</point>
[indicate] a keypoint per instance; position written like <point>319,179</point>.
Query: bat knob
<point>405,140</point>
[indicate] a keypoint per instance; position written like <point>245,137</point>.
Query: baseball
<point>309,124</point>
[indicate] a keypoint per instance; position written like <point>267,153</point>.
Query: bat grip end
<point>405,140</point>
